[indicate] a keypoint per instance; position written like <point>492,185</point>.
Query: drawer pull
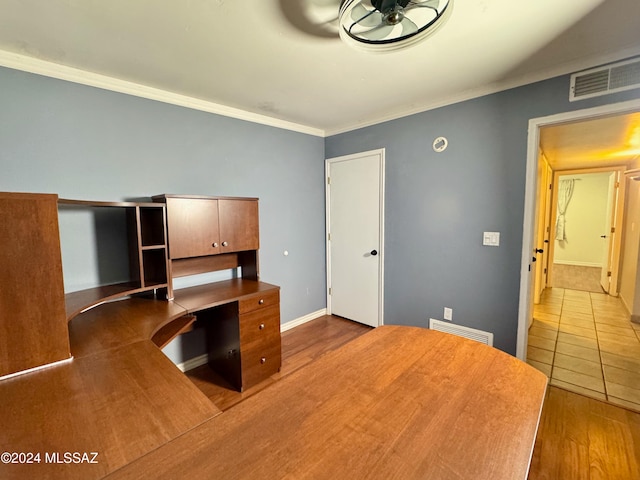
<point>261,301</point>
<point>214,244</point>
<point>224,244</point>
<point>261,327</point>
<point>263,360</point>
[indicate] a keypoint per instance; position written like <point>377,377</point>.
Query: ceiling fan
<point>385,25</point>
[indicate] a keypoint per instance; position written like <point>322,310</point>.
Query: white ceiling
<point>277,58</point>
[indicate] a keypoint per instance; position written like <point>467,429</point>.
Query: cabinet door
<point>193,227</point>
<point>239,229</point>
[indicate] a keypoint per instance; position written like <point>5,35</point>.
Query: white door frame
<point>533,144</point>
<point>380,152</point>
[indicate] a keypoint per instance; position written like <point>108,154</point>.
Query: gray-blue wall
<point>438,205</point>
<point>86,143</point>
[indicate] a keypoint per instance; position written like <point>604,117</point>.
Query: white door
<point>355,192</point>
<point>609,228</point>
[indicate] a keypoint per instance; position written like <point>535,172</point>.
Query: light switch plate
<point>491,239</point>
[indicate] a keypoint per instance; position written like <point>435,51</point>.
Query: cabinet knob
<point>261,327</point>
<point>261,301</point>
<point>224,244</point>
<point>214,244</point>
<point>263,360</point>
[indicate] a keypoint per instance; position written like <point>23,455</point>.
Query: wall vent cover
<point>615,77</point>
<point>466,332</point>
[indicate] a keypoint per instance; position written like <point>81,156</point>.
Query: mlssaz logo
<point>71,457</point>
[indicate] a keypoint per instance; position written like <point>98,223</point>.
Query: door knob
<point>534,259</point>
<point>603,236</point>
<point>374,252</point>
<point>539,250</point>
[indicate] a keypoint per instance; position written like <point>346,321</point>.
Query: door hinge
<point>608,274</point>
<point>617,185</point>
<point>613,229</point>
<point>329,236</point>
<point>545,270</point>
<point>328,180</point>
<point>329,290</point>
<point>551,186</point>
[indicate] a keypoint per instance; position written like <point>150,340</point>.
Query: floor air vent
<point>612,78</point>
<point>470,333</point>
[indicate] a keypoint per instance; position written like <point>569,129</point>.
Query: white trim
<point>193,362</point>
<point>564,69</point>
<point>327,163</point>
<point>75,75</point>
<point>577,264</point>
<point>302,320</point>
<point>35,369</point>
<point>533,143</point>
<point>49,69</point>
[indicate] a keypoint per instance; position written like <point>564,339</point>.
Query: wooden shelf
<point>91,203</point>
<point>82,300</point>
<point>170,331</point>
<point>147,251</point>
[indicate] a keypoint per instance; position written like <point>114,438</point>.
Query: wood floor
<point>578,438</point>
<point>583,438</point>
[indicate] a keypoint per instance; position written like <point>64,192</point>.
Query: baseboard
<point>301,320</point>
<point>203,359</point>
<point>577,264</point>
<point>193,362</point>
<point>625,304</point>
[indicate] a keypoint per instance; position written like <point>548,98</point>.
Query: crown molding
<point>62,72</point>
<point>564,69</point>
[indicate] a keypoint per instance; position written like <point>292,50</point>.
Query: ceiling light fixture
<point>387,25</point>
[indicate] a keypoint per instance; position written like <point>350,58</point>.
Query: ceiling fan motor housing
<point>386,25</point>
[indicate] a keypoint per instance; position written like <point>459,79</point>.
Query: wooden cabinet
<point>242,317</point>
<point>243,337</point>
<point>33,324</point>
<point>260,346</point>
<point>200,226</point>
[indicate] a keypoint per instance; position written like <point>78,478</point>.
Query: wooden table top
<point>398,402</point>
<point>120,403</point>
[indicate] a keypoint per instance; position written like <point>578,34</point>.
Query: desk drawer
<point>260,363</point>
<point>259,326</point>
<point>259,301</point>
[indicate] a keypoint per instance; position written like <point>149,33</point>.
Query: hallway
<point>585,343</point>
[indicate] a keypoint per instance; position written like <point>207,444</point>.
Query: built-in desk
<point>242,322</point>
<point>398,402</point>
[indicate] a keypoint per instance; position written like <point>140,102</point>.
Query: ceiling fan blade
<point>365,18</point>
<point>432,4</point>
<point>408,27</point>
<point>377,33</point>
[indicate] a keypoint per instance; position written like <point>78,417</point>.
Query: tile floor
<point>585,343</point>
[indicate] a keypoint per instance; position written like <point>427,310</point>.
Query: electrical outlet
<point>448,313</point>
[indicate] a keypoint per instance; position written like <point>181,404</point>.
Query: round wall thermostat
<point>440,144</point>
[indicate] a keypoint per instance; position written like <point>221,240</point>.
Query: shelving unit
<point>148,256</point>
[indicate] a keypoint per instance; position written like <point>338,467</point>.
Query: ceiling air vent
<point>612,78</point>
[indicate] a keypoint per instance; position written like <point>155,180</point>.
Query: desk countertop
<point>398,402</point>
